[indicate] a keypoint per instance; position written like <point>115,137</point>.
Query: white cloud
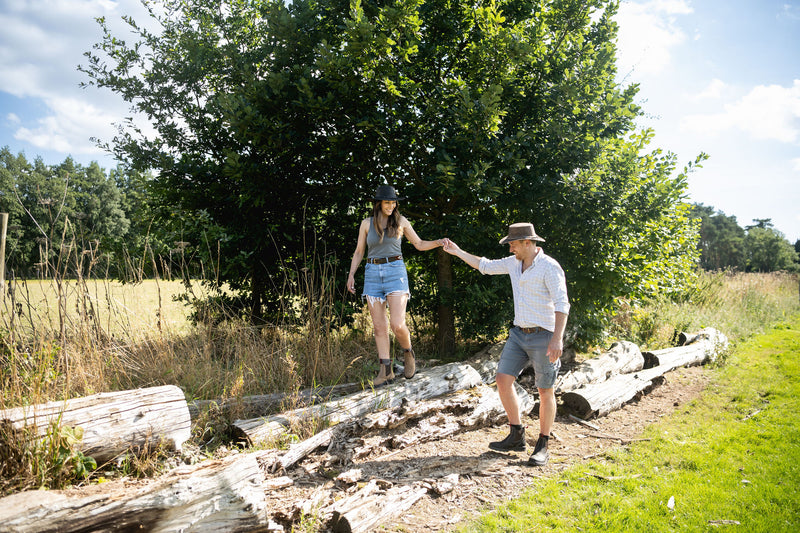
<point>66,130</point>
<point>768,112</point>
<point>41,46</point>
<point>13,118</point>
<point>796,166</point>
<point>712,91</point>
<point>648,33</point>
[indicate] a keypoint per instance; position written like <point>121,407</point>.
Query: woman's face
<point>388,206</point>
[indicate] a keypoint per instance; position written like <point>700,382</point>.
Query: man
<point>541,307</point>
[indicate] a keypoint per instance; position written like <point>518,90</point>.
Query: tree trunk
<point>215,496</point>
<point>113,422</point>
<point>371,506</point>
<point>698,348</point>
<point>446,333</point>
<point>264,404</point>
<point>622,358</point>
<point>426,384</point>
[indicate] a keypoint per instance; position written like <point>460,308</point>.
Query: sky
<point>715,76</point>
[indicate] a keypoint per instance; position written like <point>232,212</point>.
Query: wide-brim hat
<point>521,231</point>
<point>386,192</point>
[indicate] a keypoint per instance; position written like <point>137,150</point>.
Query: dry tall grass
<point>736,303</point>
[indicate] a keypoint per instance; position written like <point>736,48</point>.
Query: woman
<point>385,277</point>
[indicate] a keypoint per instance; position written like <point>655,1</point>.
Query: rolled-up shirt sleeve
<point>496,266</point>
<point>556,283</point>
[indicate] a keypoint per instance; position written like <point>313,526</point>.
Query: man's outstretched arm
<point>452,248</point>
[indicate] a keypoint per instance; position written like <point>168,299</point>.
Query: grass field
<point>730,458</point>
<point>129,309</point>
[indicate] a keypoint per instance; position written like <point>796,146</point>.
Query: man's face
<point>518,247</point>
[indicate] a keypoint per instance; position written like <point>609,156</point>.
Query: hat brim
<point>506,239</point>
<point>395,199</point>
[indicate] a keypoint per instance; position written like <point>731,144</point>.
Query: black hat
<point>521,231</point>
<point>386,192</point>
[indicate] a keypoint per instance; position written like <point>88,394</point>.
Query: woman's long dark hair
<point>392,225</point>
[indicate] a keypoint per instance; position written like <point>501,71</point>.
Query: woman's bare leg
<point>380,325</point>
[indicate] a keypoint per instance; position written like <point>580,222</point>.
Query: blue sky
<point>715,76</point>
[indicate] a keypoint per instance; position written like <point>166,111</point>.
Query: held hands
<point>450,247</point>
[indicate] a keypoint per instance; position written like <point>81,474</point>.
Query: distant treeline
<point>72,219</point>
<point>755,248</point>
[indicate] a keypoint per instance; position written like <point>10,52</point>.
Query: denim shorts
<point>382,280</point>
<point>523,348</point>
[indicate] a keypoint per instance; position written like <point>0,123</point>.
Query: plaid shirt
<point>539,292</point>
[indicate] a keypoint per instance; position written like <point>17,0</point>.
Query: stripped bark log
<point>600,399</point>
<point>485,362</point>
<point>301,449</point>
<point>428,420</point>
<point>622,357</point>
<point>263,404</point>
<point>215,496</point>
<point>427,384</point>
<point>371,506</point>
<point>701,348</point>
<point>112,422</point>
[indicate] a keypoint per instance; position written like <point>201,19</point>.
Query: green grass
<point>731,455</point>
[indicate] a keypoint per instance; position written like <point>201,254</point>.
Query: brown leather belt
<point>535,329</point>
<point>382,260</point>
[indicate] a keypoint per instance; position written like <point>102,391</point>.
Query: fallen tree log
<point>702,347</point>
<point>600,399</point>
<point>371,506</point>
<point>427,384</point>
<point>623,357</point>
<point>263,404</point>
<point>426,421</point>
<point>485,362</point>
<point>215,496</point>
<point>112,423</point>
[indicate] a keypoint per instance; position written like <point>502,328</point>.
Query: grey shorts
<point>523,348</point>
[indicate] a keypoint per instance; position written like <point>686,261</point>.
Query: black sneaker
<point>540,454</point>
<point>515,441</point>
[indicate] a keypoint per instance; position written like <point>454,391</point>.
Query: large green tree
<point>277,120</point>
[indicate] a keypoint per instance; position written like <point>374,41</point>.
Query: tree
<point>56,212</point>
<point>277,120</point>
<point>768,250</point>
<point>721,240</point>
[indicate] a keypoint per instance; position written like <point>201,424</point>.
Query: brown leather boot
<point>409,363</point>
<point>385,374</point>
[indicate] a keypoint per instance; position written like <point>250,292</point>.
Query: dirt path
<point>487,478</point>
